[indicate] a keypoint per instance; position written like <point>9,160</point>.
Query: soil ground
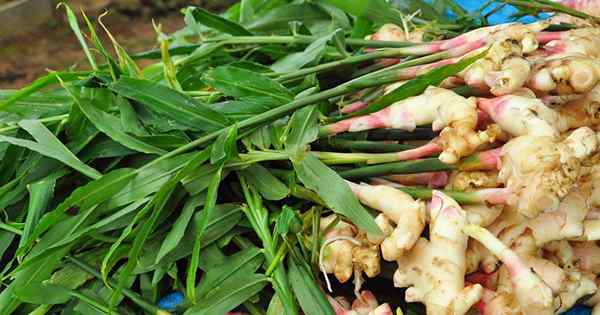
<point>53,46</point>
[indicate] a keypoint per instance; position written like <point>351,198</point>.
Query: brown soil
<point>53,46</point>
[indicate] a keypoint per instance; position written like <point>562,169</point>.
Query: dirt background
<point>53,46</point>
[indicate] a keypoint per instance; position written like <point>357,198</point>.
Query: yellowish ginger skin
<point>467,181</point>
<point>569,75</point>
<point>482,214</point>
<point>587,256</point>
<point>565,223</point>
<point>338,255</point>
<point>394,33</point>
<point>534,296</point>
<point>577,42</point>
<point>583,111</point>
<point>398,208</point>
<point>434,269</point>
<point>540,172</point>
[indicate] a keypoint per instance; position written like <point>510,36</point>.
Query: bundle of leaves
<point>119,185</point>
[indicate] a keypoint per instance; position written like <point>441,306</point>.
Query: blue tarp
<point>502,16</point>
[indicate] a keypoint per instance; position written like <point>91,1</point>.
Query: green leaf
<point>177,232</point>
<point>224,147</point>
<point>158,204</point>
<point>40,194</point>
<point>225,217</point>
<point>111,126</point>
<point>227,269</point>
<point>48,145</point>
<point>379,11</point>
<point>334,191</point>
<point>277,19</point>
<point>43,293</point>
<point>129,120</point>
<point>309,294</point>
<point>33,273</point>
<point>201,225</point>
<point>84,197</point>
<point>147,181</point>
<point>170,103</point>
<point>41,83</point>
<point>269,186</point>
<point>230,295</point>
<point>295,61</point>
<point>419,84</point>
<point>214,21</point>
<point>287,221</point>
<point>74,24</point>
<point>241,83</point>
<point>302,129</point>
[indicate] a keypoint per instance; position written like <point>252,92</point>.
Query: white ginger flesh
<point>534,296</point>
<point>540,172</point>
<point>565,76</point>
<point>402,219</point>
<point>434,269</point>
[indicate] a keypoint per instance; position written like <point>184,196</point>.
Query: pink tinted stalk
<point>354,107</point>
<point>546,37</point>
<point>429,179</point>
<point>426,150</point>
<point>489,160</point>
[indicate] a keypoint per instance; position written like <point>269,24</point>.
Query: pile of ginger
<point>536,137</point>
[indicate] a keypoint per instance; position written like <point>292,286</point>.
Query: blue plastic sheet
<point>171,301</point>
<point>502,16</point>
<point>579,310</point>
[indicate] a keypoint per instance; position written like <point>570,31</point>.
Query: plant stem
<point>277,260</point>
<point>382,77</point>
<point>386,53</point>
<point>10,228</point>
<point>365,145</point>
<point>259,219</point>
<point>61,118</point>
<point>299,39</point>
<point>127,292</point>
<point>405,167</point>
<point>426,193</point>
<point>420,133</point>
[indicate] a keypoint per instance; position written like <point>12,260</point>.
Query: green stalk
<point>333,158</point>
<point>426,193</point>
<point>259,219</point>
<point>420,133</point>
<point>405,167</point>
<point>127,292</point>
<point>239,40</point>
<point>10,228</point>
<point>60,118</point>
<point>385,76</point>
<point>381,54</point>
<point>365,145</point>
